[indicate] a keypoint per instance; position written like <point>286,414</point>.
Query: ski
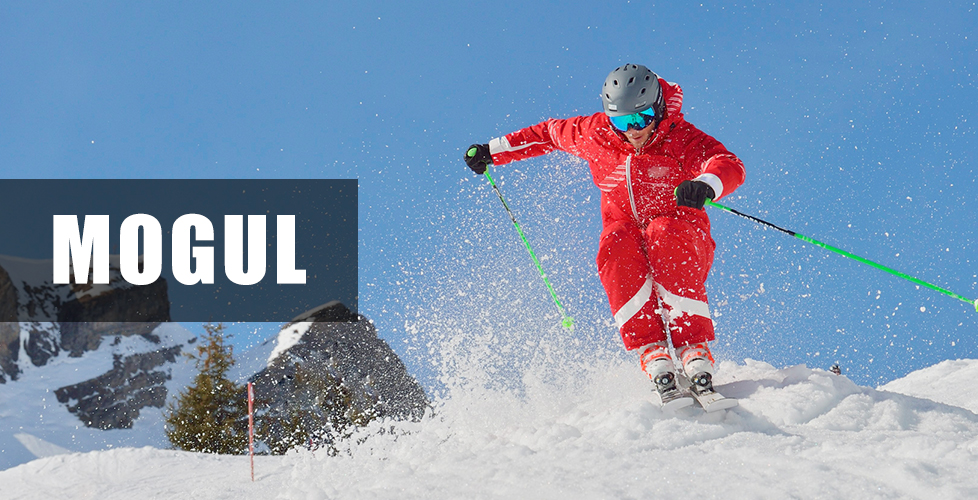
<point>671,397</point>
<point>675,404</point>
<point>710,400</point>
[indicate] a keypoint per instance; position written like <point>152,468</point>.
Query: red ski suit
<point>653,256</point>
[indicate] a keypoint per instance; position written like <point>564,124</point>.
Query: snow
<point>591,430</point>
<point>946,382</point>
<point>29,408</point>
<point>288,337</point>
<point>39,447</point>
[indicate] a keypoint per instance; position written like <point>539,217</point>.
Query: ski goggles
<point>636,121</point>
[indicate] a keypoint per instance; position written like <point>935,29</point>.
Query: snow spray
<point>566,321</point>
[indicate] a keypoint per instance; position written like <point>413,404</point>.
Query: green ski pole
<point>847,254</point>
<point>566,321</point>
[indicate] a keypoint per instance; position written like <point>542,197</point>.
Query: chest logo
<point>658,171</point>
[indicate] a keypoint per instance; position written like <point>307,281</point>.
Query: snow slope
<point>33,422</point>
<point>799,433</point>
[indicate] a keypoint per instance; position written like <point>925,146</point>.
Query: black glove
<point>694,194</point>
<point>477,157</point>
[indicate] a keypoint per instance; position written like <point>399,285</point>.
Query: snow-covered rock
<point>332,342</point>
<point>121,379</point>
<point>41,319</point>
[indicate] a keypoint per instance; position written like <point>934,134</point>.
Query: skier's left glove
<point>694,194</point>
<point>477,157</point>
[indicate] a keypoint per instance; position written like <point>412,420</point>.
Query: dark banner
<point>175,250</point>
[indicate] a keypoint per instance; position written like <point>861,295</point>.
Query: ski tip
<point>723,404</point>
<point>677,404</point>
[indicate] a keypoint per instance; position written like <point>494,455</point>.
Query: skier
<point>655,171</point>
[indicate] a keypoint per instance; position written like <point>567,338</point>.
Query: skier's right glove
<point>477,157</point>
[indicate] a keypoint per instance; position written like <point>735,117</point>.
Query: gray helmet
<point>630,89</point>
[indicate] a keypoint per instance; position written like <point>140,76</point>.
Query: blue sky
<point>856,121</point>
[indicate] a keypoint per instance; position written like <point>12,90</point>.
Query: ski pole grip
<point>471,152</point>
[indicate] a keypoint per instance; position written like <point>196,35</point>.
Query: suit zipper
<point>628,182</point>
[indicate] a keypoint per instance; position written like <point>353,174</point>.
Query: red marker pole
<point>251,427</point>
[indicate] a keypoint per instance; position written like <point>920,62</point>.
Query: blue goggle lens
<point>637,121</point>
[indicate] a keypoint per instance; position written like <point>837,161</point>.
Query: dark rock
<point>9,350</point>
<point>119,311</point>
<point>113,400</point>
<point>345,347</point>
<point>9,329</point>
<point>326,313</point>
<point>42,342</point>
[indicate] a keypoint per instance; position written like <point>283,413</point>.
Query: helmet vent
<point>630,88</point>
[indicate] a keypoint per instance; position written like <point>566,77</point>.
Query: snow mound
<point>798,433</point>
<point>947,382</point>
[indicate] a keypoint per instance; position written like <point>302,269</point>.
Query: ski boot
<point>658,364</point>
<point>698,367</point>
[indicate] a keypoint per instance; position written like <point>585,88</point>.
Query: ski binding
<point>709,399</point>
